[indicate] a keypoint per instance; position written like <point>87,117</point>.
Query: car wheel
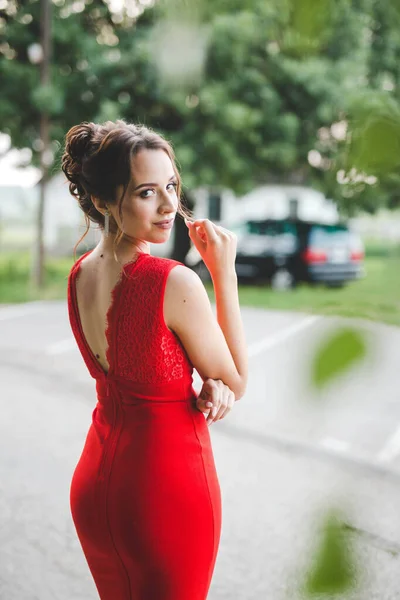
<point>282,279</point>
<point>335,285</point>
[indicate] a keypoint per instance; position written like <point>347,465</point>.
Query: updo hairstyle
<point>97,159</point>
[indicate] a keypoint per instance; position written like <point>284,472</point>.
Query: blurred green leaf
<point>310,25</point>
<point>333,571</point>
<point>337,354</point>
<point>374,128</point>
<point>310,18</point>
<point>379,145</point>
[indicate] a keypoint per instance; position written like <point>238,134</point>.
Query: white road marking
<point>273,340</point>
<point>60,347</point>
<point>254,349</point>
<point>391,449</point>
<point>335,444</point>
<point>28,308</point>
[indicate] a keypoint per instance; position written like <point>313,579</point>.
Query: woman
<point>145,497</point>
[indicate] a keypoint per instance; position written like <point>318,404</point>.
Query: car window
<point>267,237</point>
<point>326,236</point>
<point>264,227</point>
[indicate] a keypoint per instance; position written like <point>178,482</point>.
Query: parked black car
<point>286,252</point>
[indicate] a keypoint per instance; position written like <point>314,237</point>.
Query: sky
<point>10,173</point>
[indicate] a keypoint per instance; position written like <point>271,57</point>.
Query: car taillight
<point>357,255</point>
<point>314,256</point>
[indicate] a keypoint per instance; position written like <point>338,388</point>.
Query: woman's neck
<point>126,249</point>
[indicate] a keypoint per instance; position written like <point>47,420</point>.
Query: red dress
<point>145,497</point>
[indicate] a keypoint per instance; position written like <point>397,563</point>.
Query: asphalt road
<point>284,455</point>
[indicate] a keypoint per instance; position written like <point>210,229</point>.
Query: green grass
<point>15,279</point>
<point>376,297</point>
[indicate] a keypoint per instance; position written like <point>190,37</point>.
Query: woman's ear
<point>97,204</point>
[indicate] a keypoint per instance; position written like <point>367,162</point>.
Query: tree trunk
<point>38,256</point>
<point>182,241</point>
<point>45,38</point>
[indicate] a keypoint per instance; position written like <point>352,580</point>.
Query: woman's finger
<point>208,395</point>
<point>214,410</point>
<point>217,397</point>
<point>197,235</point>
<point>226,409</point>
<point>204,404</point>
<point>217,403</point>
<point>225,406</point>
<point>206,228</point>
<point>203,407</point>
<point>212,414</point>
<point>221,410</point>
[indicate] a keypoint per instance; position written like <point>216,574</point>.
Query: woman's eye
<point>144,193</point>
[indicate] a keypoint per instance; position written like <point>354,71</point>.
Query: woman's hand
<point>215,244</point>
<point>216,399</point>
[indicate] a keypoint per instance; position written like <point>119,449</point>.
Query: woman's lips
<point>165,225</point>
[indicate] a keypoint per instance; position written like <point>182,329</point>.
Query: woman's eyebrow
<point>152,184</point>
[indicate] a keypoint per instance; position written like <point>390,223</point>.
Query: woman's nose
<point>169,201</point>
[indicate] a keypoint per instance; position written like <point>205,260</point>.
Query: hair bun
<point>78,140</point>
<point>77,143</point>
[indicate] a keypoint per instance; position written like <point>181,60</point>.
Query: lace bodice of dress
<point>146,350</point>
<point>141,347</point>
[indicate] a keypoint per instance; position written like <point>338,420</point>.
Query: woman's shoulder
<point>75,266</point>
<point>164,262</point>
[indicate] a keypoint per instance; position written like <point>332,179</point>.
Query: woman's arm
<point>230,320</point>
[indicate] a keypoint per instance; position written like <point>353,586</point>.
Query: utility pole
<point>45,161</point>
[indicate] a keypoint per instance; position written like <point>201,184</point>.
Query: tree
<point>34,94</point>
<point>279,80</point>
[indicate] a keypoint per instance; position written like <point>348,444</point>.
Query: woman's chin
<point>162,233</point>
<point>161,238</point>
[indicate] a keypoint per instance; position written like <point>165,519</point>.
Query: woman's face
<point>150,197</point>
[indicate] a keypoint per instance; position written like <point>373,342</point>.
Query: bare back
<point>97,278</point>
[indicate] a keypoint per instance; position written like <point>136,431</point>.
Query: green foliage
<point>374,146</point>
<point>337,354</point>
<point>48,98</point>
<point>15,278</point>
<point>242,88</point>
<point>309,25</point>
<point>333,571</point>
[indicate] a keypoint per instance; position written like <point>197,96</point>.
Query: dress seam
<point>208,487</point>
<point>106,510</point>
